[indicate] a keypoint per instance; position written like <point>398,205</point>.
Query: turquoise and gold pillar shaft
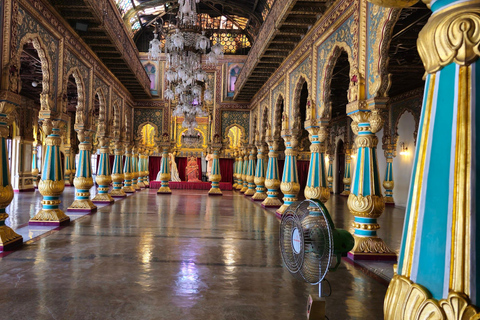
<point>104,177</point>
<point>128,171</point>
<point>164,172</point>
<point>135,169</point>
<point>330,172</point>
<point>289,186</point>
<point>34,165</point>
<point>365,201</point>
<point>240,171</point>
<point>317,187</point>
<point>244,171</point>
<point>117,172</point>
<point>251,172</point>
<point>260,193</point>
<point>146,160</point>
<point>83,178</point>
<point>347,176</point>
<point>388,183</point>
<point>272,179</point>
<point>52,183</point>
<point>235,166</point>
<point>68,165</point>
<point>140,166</point>
<point>438,271</point>
<point>215,175</point>
<point>8,237</point>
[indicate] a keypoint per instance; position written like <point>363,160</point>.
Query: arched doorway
<point>340,156</point>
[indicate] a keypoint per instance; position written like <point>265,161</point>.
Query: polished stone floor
<point>184,256</point>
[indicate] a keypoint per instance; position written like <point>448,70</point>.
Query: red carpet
<point>191,185</point>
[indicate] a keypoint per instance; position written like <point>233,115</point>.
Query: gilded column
<point>68,165</point>
<point>103,177</point>
<point>52,183</point>
<point>289,186</point>
<point>146,160</point>
<point>235,166</point>
<point>251,172</point>
<point>240,171</point>
<point>34,165</point>
<point>437,275</point>
<point>260,193</point>
<point>347,176</point>
<point>117,172</point>
<point>128,171</point>
<point>272,179</point>
<point>83,178</point>
<point>245,171</point>
<point>141,171</point>
<point>8,238</point>
<point>317,187</point>
<point>165,170</point>
<point>388,182</point>
<point>215,175</point>
<point>135,169</point>
<point>330,173</point>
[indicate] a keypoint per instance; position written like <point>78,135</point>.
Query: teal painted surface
<point>475,287</point>
<point>431,262</point>
<point>439,4</point>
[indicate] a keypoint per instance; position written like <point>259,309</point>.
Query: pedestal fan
<point>309,242</point>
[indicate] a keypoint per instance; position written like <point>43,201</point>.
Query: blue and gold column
<point>68,165</point>
<point>366,201</point>
<point>244,171</point>
<point>34,165</point>
<point>317,187</point>
<point>140,166</point>
<point>52,183</point>
<point>347,176</point>
<point>165,170</point>
<point>8,238</point>
<point>331,157</point>
<point>117,172</point>
<point>103,177</point>
<point>235,166</point>
<point>135,169</point>
<point>83,178</point>
<point>438,271</point>
<point>239,170</point>
<point>260,193</point>
<point>289,185</point>
<point>272,179</point>
<point>388,182</point>
<point>251,172</point>
<point>128,171</point>
<point>215,175</point>
<point>146,160</point>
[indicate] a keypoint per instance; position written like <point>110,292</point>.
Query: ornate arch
<point>116,119</point>
<point>242,130</point>
<point>46,102</point>
<point>128,122</point>
<point>277,116</point>
<point>140,128</point>
<point>264,123</point>
<point>102,111</point>
<point>295,116</point>
<point>324,110</point>
<point>416,117</point>
<point>204,138</point>
<point>80,113</point>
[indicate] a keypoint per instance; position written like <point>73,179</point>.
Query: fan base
<point>315,308</point>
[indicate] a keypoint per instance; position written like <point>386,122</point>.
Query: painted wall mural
<point>143,116</point>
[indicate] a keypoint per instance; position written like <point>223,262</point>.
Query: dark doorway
<point>340,167</point>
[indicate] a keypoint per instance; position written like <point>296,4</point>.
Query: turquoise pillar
<point>128,171</point>
<point>135,172</point>
<point>34,165</point>
<point>215,175</point>
<point>244,171</point>
<point>68,165</point>
<point>260,192</point>
<point>165,172</point>
<point>52,183</point>
<point>147,171</point>
<point>83,178</point>
<point>140,169</point>
<point>438,271</point>
<point>104,174</point>
<point>8,238</point>
<point>330,172</point>
<point>272,179</point>
<point>388,182</point>
<point>347,176</point>
<point>239,171</point>
<point>250,175</point>
<point>235,166</point>
<point>317,187</point>
<point>289,185</point>
<point>117,173</point>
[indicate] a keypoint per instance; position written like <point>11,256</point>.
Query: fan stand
<point>316,308</point>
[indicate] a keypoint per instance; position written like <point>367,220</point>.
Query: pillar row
<point>289,185</point>
<point>272,179</point>
<point>260,192</point>
<point>215,175</point>
<point>250,175</point>
<point>117,172</point>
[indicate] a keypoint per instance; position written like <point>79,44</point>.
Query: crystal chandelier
<point>184,47</point>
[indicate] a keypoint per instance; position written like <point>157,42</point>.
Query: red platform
<point>227,186</point>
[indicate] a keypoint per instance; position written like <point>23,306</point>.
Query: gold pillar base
<point>82,205</point>
<point>49,217</point>
<point>389,201</point>
<point>272,202</point>
<point>249,192</point>
<point>239,187</point>
<point>280,211</point>
<point>146,183</point>
<point>259,196</point>
<point>321,194</point>
<point>164,190</point>
<point>234,186</point>
<point>128,189</point>
<point>118,193</point>
<point>345,193</point>
<point>215,192</point>
<point>371,248</point>
<point>103,197</point>
<point>136,187</point>
<point>243,189</point>
<point>9,238</point>
<point>141,185</point>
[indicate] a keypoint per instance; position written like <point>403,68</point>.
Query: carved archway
<point>416,117</point>
<point>102,113</point>
<point>277,116</point>
<point>227,141</point>
<point>80,114</point>
<point>265,123</point>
